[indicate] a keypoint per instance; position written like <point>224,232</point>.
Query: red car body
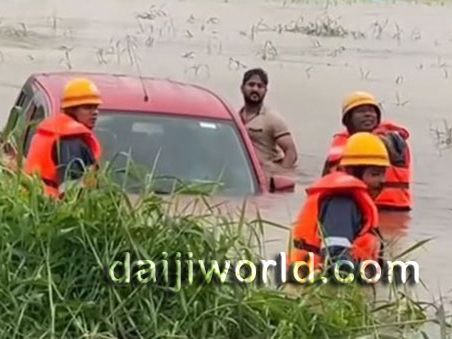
<point>41,93</point>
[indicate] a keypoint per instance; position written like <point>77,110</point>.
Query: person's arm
<point>396,146</point>
<point>285,141</point>
<point>340,219</point>
<point>290,153</point>
<point>73,158</point>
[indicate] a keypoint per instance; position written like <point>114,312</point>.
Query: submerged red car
<point>174,130</point>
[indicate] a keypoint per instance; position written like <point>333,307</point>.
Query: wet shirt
<point>342,220</point>
<point>72,159</point>
<point>264,129</point>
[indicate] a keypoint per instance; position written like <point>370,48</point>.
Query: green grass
<point>53,283</point>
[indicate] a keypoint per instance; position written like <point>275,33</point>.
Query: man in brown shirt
<point>268,131</point>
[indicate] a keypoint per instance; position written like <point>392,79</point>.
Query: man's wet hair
<point>255,71</point>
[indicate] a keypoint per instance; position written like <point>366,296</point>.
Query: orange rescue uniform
<point>396,192</point>
<point>39,159</point>
<point>307,236</point>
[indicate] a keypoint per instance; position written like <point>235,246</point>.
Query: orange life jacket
<point>396,193</point>
<point>39,158</point>
<point>306,233</point>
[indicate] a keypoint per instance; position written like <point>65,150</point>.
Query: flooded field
<point>314,54</point>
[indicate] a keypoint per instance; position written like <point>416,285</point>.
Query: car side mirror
<point>279,184</point>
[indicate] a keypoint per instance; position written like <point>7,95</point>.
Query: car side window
<point>23,98</point>
<point>17,121</point>
<point>35,113</point>
<point>25,95</point>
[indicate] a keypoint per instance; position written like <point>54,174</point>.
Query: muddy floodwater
<point>401,52</point>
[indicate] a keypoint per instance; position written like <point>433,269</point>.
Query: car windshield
<point>184,150</point>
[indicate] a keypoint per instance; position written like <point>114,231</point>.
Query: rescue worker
<point>342,202</point>
<point>268,131</point>
<point>361,113</point>
<point>64,147</point>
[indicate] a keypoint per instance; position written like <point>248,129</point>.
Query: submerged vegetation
<point>442,135</point>
<point>55,254</point>
<point>324,26</point>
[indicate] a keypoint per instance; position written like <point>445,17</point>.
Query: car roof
<point>126,93</point>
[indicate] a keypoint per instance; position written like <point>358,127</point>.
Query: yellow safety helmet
<point>356,99</point>
<point>363,149</point>
<point>80,91</point>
